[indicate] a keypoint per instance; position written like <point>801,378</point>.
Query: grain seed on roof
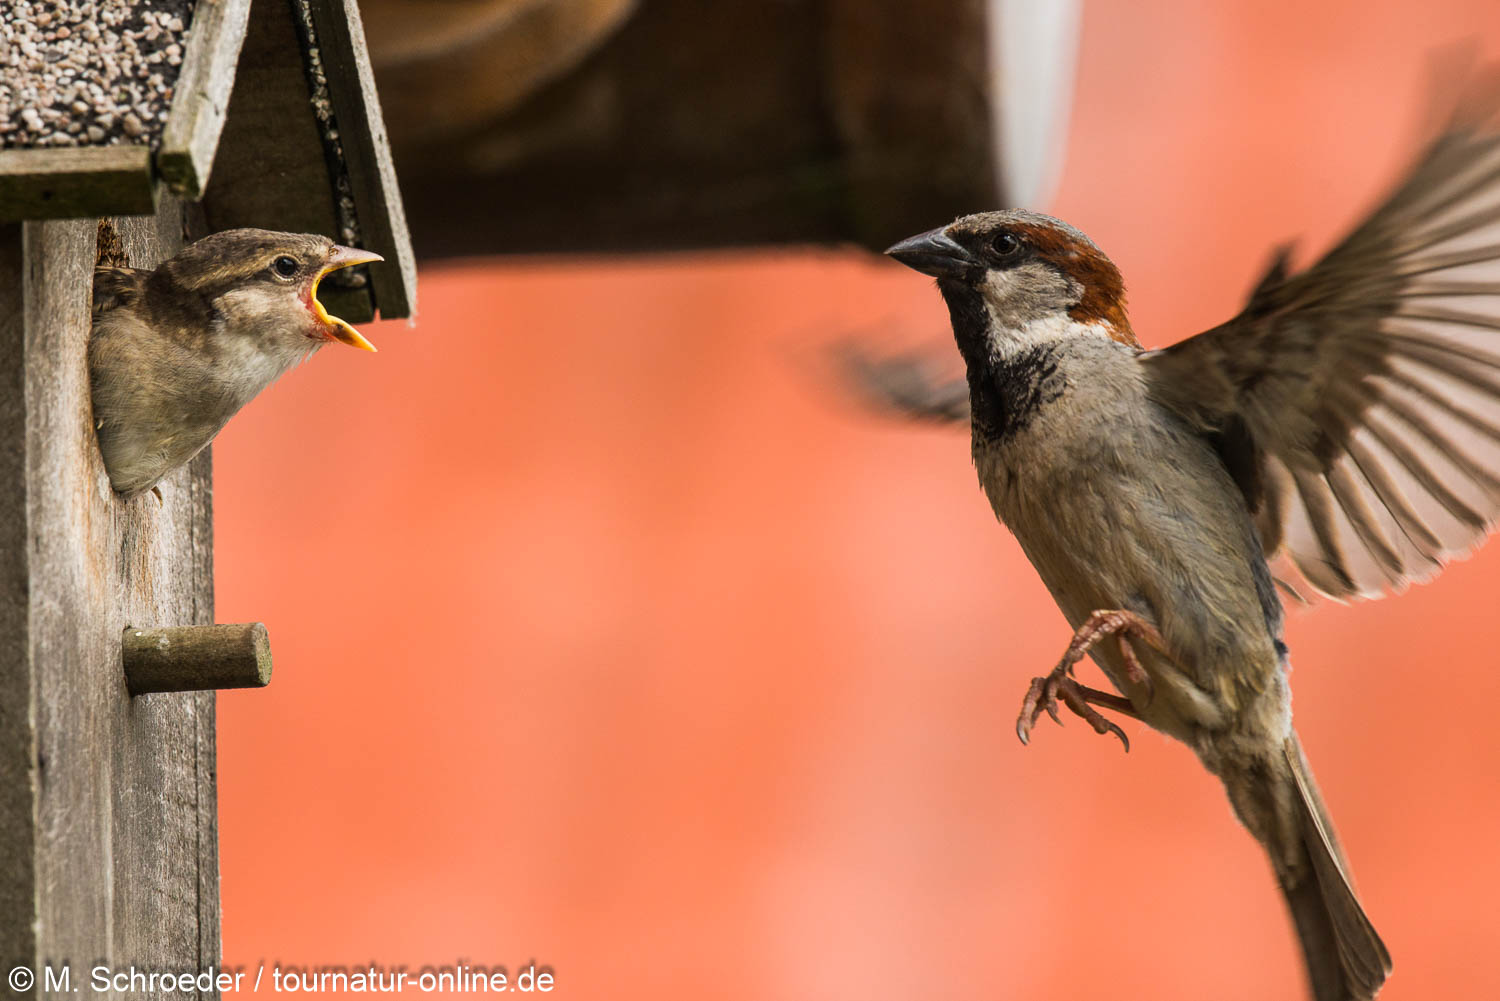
<point>93,72</point>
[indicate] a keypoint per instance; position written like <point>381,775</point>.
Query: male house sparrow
<point>1347,420</point>
<point>178,351</point>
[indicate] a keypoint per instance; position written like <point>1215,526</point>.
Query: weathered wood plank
<point>157,814</point>
<point>18,768</point>
<point>273,171</point>
<point>201,101</point>
<point>71,183</point>
<point>367,154</point>
<point>121,817</point>
<point>201,481</point>
<point>270,171</point>
<point>76,697</point>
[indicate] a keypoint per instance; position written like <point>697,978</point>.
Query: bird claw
<point>1059,686</point>
<point>1049,702</point>
<point>1045,694</point>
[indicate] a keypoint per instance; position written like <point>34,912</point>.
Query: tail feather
<point>1346,960</point>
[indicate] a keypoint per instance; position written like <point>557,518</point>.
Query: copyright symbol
<point>21,979</point>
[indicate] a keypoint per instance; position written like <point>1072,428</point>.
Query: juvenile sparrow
<point>1347,421</point>
<point>178,351</point>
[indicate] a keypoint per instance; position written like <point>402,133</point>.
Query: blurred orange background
<point>607,639</point>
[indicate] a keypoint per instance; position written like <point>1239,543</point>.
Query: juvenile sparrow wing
<point>1357,403</point>
<point>116,287</point>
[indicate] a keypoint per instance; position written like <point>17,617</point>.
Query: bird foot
<point>1059,686</point>
<point>1126,626</point>
<point>1045,693</point>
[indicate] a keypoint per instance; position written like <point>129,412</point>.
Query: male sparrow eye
<point>1004,244</point>
<point>284,266</point>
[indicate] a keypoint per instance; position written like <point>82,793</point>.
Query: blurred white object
<point>1034,56</point>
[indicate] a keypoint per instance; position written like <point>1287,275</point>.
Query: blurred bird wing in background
<point>922,384</point>
<point>1357,403</point>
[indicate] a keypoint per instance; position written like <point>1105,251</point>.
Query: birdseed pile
<point>88,72</point>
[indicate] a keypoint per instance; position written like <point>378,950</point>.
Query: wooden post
<point>107,803</point>
<point>196,658</point>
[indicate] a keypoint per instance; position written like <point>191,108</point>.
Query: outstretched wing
<point>1358,402</point>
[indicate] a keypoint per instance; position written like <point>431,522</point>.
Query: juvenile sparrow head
<point>177,351</point>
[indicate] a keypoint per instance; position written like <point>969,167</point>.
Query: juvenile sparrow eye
<point>284,266</point>
<point>1004,244</point>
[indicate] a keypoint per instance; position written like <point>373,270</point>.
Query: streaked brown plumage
<point>1345,425</point>
<point>177,351</point>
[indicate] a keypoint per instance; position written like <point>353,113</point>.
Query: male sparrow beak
<point>935,253</point>
<point>340,257</point>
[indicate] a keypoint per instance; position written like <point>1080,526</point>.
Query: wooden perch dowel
<point>197,658</point>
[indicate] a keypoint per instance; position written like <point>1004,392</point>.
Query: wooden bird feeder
<point>128,127</point>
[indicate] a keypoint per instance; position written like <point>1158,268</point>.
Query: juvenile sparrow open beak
<point>935,253</point>
<point>342,257</point>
